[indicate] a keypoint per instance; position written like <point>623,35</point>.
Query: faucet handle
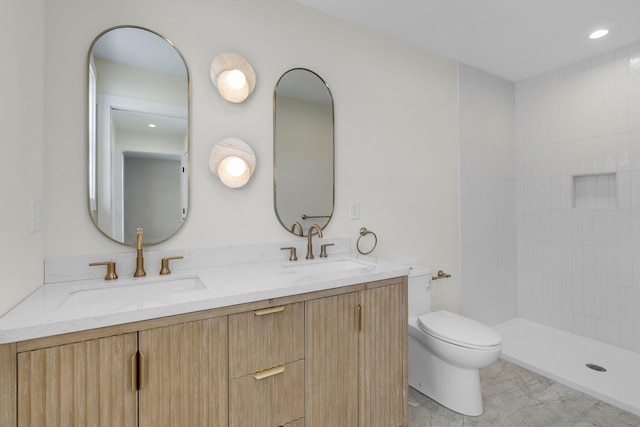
<point>165,264</point>
<point>111,269</point>
<point>323,250</point>
<point>292,255</point>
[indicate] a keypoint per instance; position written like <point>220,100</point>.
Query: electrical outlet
<point>354,210</point>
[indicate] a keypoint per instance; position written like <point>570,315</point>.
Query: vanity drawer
<point>274,397</point>
<point>266,338</point>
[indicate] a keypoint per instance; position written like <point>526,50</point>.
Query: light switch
<point>354,210</point>
<point>36,215</point>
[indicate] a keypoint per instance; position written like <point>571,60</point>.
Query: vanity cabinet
<point>335,357</point>
<point>266,366</point>
<point>168,376</point>
<point>183,374</point>
<point>355,356</point>
<point>84,383</point>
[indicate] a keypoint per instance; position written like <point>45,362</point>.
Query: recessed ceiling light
<point>598,33</point>
<point>151,125</point>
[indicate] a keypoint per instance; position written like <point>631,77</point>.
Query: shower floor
<point>562,357</point>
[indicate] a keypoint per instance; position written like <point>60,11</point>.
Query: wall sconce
<point>233,161</point>
<point>234,77</point>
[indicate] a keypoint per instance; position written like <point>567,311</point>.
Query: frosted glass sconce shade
<point>234,77</point>
<point>233,161</point>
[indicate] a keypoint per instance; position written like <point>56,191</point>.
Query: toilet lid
<point>457,329</point>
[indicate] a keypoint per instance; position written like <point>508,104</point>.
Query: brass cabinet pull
<point>140,370</point>
<point>269,372</point>
<point>134,372</point>
<point>360,314</point>
<point>269,310</point>
<point>137,368</point>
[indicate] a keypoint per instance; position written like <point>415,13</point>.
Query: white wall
<point>396,144</point>
<point>579,268</point>
<point>488,229</point>
<point>22,115</point>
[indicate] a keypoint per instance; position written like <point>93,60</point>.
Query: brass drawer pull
<point>269,310</point>
<point>269,372</point>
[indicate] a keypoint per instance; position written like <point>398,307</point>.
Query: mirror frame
<point>89,136</point>
<point>333,156</point>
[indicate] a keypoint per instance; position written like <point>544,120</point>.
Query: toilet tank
<point>419,290</point>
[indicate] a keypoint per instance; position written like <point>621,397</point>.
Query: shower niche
<point>596,191</point>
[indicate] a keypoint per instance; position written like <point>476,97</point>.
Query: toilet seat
<point>459,330</point>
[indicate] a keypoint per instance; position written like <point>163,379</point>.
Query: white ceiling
<point>513,39</point>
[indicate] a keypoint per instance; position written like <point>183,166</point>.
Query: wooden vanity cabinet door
<point>331,361</point>
<point>85,383</point>
<point>183,374</point>
<point>383,353</point>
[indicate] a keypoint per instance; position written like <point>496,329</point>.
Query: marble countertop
<point>71,306</point>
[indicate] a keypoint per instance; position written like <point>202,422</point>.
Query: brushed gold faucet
<point>139,255</point>
<point>310,241</point>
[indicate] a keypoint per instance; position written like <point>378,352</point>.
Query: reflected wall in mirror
<point>138,135</point>
<point>303,151</point>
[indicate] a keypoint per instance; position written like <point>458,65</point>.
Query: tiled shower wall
<point>578,198</point>
<point>487,197</point>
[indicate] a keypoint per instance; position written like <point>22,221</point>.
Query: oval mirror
<point>303,151</point>
<point>138,135</point>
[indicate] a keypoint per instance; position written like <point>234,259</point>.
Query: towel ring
<point>364,232</point>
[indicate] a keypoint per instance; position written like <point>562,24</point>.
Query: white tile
<point>578,296</point>
<point>565,158</point>
<point>600,227</point>
<point>626,267</point>
<point>636,271</point>
<point>610,153</point>
<point>601,264</point>
<point>615,304</point>
<point>589,298</point>
<point>602,301</point>
<point>589,262</point>
<point>613,265</point>
<point>635,228</point>
<point>567,192</point>
<point>635,189</point>
<point>627,308</point>
<point>576,226</point>
<point>625,238</point>
<point>623,148</point>
<point>587,227</point>
<point>578,324</point>
<point>590,327</point>
<point>634,151</point>
<point>623,183</point>
<point>613,237</point>
<point>614,334</point>
<point>556,192</point>
<point>602,329</point>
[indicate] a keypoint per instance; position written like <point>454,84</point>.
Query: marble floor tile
<point>515,397</point>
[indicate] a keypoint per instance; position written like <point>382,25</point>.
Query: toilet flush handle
<point>441,275</point>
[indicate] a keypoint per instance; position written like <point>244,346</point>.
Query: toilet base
<point>455,388</point>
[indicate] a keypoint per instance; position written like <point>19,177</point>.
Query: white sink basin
<point>132,291</point>
<point>329,266</point>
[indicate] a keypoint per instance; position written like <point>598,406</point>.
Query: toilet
<point>446,350</point>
